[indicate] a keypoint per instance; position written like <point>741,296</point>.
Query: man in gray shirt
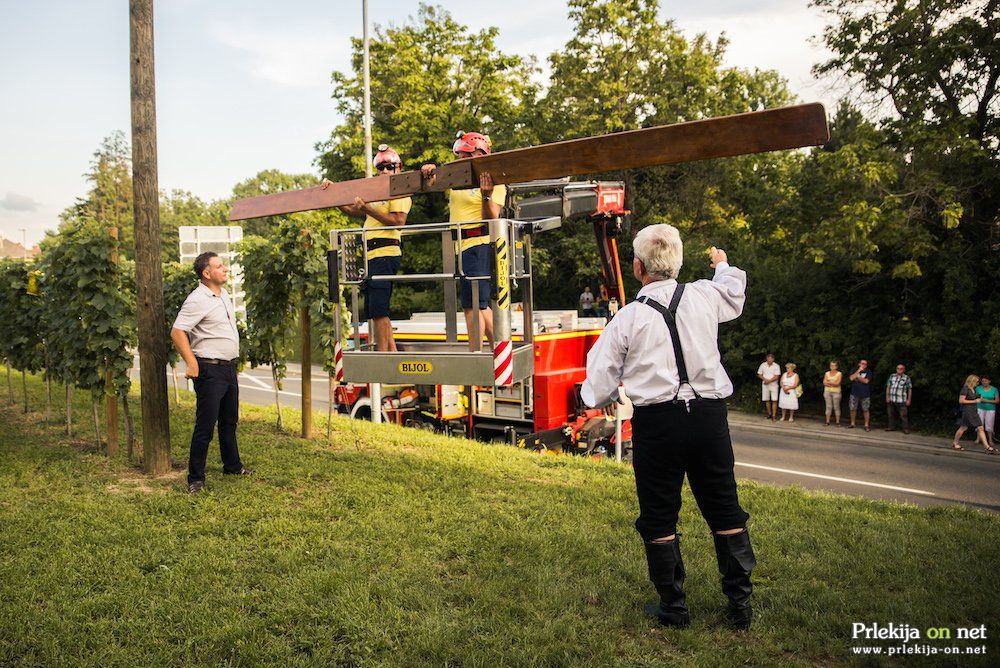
<point>208,318</point>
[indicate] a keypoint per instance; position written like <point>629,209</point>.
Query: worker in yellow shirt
<point>383,244</point>
<point>475,206</point>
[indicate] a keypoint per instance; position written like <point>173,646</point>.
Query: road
<point>785,457</point>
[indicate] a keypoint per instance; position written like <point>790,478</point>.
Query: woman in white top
<point>788,399</point>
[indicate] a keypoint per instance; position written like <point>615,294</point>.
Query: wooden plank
<point>726,136</point>
<point>307,199</point>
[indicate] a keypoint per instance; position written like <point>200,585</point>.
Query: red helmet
<point>470,142</point>
<point>386,156</point>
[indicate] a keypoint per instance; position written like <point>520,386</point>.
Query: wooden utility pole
<point>111,398</point>
<point>148,270</point>
<point>305,326</point>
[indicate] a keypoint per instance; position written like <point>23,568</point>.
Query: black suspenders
<point>669,314</point>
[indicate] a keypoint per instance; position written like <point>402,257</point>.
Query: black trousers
<point>900,409</point>
<point>218,403</point>
<point>674,438</point>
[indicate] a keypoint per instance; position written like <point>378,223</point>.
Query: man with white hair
<point>663,348</point>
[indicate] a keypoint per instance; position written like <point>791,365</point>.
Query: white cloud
<point>778,35</point>
<point>295,55</point>
<point>16,202</point>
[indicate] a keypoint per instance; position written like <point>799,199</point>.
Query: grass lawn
<point>396,547</point>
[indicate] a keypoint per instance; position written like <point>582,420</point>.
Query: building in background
<point>10,248</point>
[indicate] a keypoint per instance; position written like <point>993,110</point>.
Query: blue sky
<point>244,86</point>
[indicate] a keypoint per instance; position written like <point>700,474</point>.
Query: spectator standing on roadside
<point>769,373</point>
<point>831,392</point>
<point>898,394</point>
<point>969,401</point>
<point>861,394</point>
<point>587,302</point>
<point>987,408</point>
<point>602,301</point>
<point>788,399</point>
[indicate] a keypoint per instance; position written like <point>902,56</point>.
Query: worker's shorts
<point>476,262</point>
<point>769,392</point>
<point>854,402</point>
<point>377,293</point>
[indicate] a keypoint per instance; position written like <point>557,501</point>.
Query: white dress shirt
<point>635,350</point>
<point>210,321</point>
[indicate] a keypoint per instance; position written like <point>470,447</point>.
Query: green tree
<point>21,343</point>
<point>622,69</point>
<point>913,198</point>
<point>178,282</point>
<point>430,78</point>
<point>89,310</point>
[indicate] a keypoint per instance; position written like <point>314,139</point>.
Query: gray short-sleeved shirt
<point>210,321</point>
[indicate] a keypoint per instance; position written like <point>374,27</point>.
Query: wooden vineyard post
<point>148,270</point>
<point>305,326</point>
<point>111,398</point>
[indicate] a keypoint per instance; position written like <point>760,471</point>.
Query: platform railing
<point>510,244</point>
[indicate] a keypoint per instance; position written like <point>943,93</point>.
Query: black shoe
<point>243,471</point>
<point>736,561</point>
<point>196,486</point>
<point>666,571</point>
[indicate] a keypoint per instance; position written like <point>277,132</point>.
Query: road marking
<point>836,479</point>
<point>259,382</point>
<point>320,399</point>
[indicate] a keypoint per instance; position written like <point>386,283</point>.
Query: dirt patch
<point>137,482</point>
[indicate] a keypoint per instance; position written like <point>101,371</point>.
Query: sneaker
<point>243,471</point>
<point>196,486</point>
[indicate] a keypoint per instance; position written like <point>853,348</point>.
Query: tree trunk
<point>48,396</point>
<point>24,389</point>
<point>97,420</point>
<point>48,385</point>
<point>304,326</point>
<point>10,387</point>
<point>111,399</point>
<point>148,269</point>
<point>177,394</point>
<point>277,396</point>
<point>129,428</point>
<point>69,409</point>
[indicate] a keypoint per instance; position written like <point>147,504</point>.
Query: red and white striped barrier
<point>503,363</point>
<point>338,356</point>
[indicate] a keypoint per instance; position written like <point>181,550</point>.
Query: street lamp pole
<point>367,94</point>
<point>375,389</point>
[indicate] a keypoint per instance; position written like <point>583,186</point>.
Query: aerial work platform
<point>448,361</point>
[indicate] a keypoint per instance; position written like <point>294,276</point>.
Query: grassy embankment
<point>396,547</point>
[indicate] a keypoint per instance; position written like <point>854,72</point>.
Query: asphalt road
<point>784,457</point>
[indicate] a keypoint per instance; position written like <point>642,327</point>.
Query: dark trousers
<point>903,411</point>
<point>218,403</point>
<point>671,439</point>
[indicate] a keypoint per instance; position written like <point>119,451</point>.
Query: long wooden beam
<point>725,136</point>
